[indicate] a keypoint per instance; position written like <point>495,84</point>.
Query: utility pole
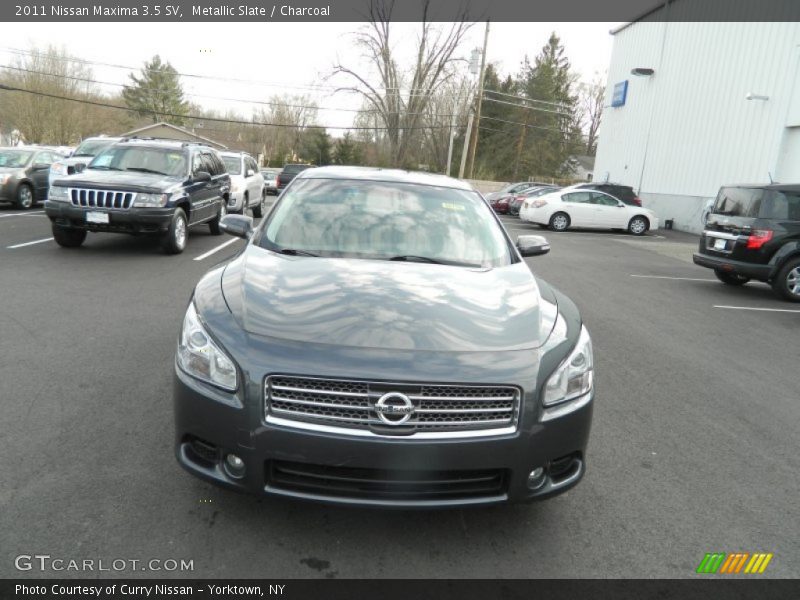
<point>474,138</point>
<point>465,149</point>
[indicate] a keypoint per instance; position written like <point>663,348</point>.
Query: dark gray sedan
<point>380,341</point>
<point>24,174</point>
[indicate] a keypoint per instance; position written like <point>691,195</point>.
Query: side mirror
<point>250,172</point>
<point>237,225</point>
<point>79,168</point>
<point>201,176</point>
<point>40,166</point>
<point>532,245</point>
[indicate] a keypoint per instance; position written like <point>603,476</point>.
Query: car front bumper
<point>210,425</point>
<point>132,220</point>
<point>755,271</point>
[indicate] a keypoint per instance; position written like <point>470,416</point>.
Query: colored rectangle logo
<point>734,563</point>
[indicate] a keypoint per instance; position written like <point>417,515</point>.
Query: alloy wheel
<point>793,281</point>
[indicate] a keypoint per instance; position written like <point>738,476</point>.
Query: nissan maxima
<point>380,341</point>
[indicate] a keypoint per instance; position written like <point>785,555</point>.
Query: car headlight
<point>4,178</point>
<point>145,200</point>
<point>58,193</point>
<point>58,168</point>
<point>235,187</point>
<point>200,357</point>
<point>575,376</point>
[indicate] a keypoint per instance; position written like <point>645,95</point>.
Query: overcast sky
<point>284,58</point>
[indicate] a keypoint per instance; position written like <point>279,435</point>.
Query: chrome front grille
<point>434,410</point>
<point>101,198</point>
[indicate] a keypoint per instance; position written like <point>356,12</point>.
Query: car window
<point>45,158</point>
<point>604,199</point>
<point>577,197</point>
<point>380,220</point>
<point>783,206</point>
<point>208,164</point>
<point>233,164</point>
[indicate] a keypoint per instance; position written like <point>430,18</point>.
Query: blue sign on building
<point>620,94</point>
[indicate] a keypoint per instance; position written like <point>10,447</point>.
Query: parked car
<point>288,173</point>
<point>572,207</point>
<point>516,201</point>
<point>271,180</point>
<point>23,174</point>
<point>501,204</point>
<point>753,232</point>
<point>83,154</point>
<point>140,186</point>
<point>512,189</point>
<point>619,191</point>
<point>247,184</point>
<point>380,341</point>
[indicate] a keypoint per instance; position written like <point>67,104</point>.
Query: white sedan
<point>586,208</point>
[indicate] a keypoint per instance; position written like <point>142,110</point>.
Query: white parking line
<point>29,243</point>
<point>785,310</point>
<point>217,249</point>
<point>23,214</point>
<point>677,278</point>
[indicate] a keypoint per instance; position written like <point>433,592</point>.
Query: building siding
<point>688,129</point>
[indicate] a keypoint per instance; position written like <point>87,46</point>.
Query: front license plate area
<point>97,217</point>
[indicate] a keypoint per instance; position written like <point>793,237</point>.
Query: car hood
<point>11,169</point>
<point>120,180</point>
<point>386,305</point>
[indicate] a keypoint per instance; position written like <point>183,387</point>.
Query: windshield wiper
<point>104,168</point>
<point>144,170</point>
<point>433,261</point>
<point>296,252</point>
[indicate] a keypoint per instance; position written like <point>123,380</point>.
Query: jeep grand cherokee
<point>380,341</point>
<point>141,186</point>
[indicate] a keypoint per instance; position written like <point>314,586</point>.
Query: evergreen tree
<point>157,93</point>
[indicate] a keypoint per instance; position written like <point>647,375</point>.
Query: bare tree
<point>402,112</point>
<point>592,96</point>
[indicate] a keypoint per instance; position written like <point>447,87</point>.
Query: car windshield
<point>91,147</point>
<point>233,164</point>
<point>159,161</point>
<point>386,220</point>
<point>14,158</point>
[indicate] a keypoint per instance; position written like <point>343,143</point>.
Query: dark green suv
<point>753,232</point>
<point>142,186</point>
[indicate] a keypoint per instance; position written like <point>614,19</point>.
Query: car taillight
<point>637,201</point>
<point>539,203</point>
<point>276,181</point>
<point>758,238</point>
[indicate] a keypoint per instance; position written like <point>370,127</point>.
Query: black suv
<point>624,193</point>
<point>753,232</point>
<point>142,186</point>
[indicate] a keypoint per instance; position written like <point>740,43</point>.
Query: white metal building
<point>721,106</point>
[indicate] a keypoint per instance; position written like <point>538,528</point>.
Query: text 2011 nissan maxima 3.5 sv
<point>380,341</point>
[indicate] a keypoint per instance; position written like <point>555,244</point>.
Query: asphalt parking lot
<point>693,449</point>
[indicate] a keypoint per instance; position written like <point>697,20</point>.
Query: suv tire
<point>68,238</point>
<point>787,282</point>
<point>174,240</point>
<point>213,224</point>
<point>730,278</point>
<point>25,198</point>
<point>260,209</point>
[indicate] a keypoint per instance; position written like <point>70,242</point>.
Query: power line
<point>215,119</point>
<point>556,104</point>
<point>547,110</point>
<point>529,126</point>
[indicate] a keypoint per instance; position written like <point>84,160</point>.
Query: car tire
<point>787,282</point>
<point>213,224</point>
<point>638,225</point>
<point>174,240</point>
<point>25,199</point>
<point>731,278</point>
<point>559,221</point>
<point>261,208</point>
<point>68,238</point>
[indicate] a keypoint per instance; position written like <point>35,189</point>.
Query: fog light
<point>536,478</point>
<point>234,465</point>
